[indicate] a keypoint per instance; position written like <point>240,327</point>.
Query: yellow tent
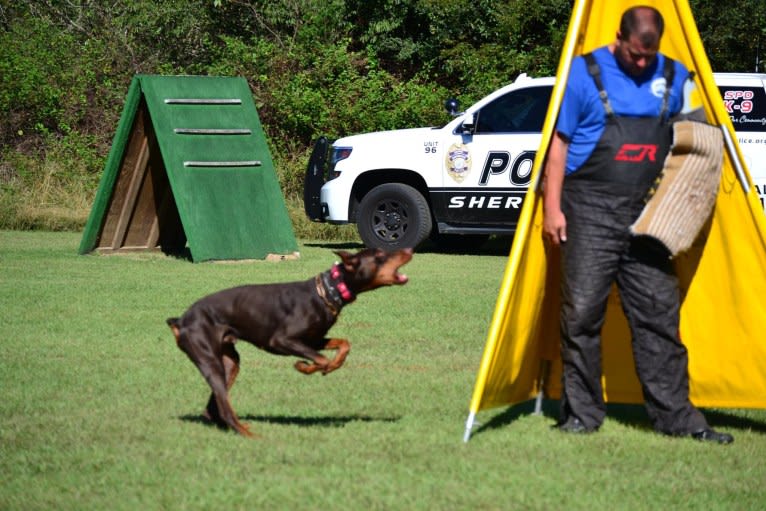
<point>723,275</point>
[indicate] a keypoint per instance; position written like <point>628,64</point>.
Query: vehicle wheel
<point>393,216</point>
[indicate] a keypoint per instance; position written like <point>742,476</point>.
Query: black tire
<point>393,216</point>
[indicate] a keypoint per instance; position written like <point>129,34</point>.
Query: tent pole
<point>468,426</point>
<point>544,368</point>
<point>735,161</point>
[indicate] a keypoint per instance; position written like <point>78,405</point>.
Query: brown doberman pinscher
<point>284,319</point>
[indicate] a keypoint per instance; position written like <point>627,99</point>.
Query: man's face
<point>634,56</point>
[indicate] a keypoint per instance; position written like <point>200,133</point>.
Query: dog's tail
<point>175,327</point>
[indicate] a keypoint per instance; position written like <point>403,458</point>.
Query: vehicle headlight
<point>337,154</point>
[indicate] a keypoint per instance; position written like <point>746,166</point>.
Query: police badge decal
<point>458,162</point>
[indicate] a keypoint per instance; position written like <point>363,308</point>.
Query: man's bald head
<point>643,22</point>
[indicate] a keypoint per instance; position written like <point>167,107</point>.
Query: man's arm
<point>554,222</point>
<point>691,102</point>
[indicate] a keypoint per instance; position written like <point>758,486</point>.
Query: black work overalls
<point>600,201</point>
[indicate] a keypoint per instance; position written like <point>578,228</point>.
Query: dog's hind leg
<point>230,363</point>
<point>219,366</point>
<point>219,409</point>
<point>218,405</point>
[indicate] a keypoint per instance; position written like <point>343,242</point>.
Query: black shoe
<point>574,425</point>
<point>710,435</point>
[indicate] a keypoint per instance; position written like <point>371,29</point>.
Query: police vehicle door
<point>486,168</point>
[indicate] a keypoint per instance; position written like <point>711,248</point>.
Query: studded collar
<point>333,289</point>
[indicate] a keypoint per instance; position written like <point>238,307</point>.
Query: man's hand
<point>554,220</point>
<point>555,226</point>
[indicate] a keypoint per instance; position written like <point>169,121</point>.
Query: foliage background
<point>332,67</point>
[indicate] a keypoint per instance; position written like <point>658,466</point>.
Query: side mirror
<point>452,106</point>
<point>468,125</point>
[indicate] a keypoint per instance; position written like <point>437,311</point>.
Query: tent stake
<point>468,426</point>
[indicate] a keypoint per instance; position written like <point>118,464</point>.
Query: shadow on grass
<point>626,414</point>
<point>499,246</point>
<point>722,418</point>
<point>305,422</point>
<point>336,245</point>
<point>513,413</point>
<point>182,253</point>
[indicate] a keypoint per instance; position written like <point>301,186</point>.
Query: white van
<point>744,96</point>
<point>469,177</point>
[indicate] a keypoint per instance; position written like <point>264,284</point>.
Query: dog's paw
<point>244,430</point>
<point>305,367</point>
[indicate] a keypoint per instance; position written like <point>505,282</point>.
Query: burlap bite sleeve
<point>682,202</point>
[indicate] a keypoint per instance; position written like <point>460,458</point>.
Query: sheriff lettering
<point>480,201</point>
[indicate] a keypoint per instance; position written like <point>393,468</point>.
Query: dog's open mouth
<point>401,257</point>
<point>393,277</point>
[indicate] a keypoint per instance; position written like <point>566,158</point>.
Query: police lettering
<point>761,191</point>
<point>521,173</point>
<point>498,162</point>
<point>485,202</point>
<point>738,94</point>
<point>739,101</point>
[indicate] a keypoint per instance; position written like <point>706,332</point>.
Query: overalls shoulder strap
<point>595,72</point>
<point>668,72</point>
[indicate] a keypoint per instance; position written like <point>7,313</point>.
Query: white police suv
<point>469,177</point>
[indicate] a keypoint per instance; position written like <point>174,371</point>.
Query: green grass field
<point>100,410</point>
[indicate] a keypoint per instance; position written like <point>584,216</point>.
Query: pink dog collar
<point>341,286</point>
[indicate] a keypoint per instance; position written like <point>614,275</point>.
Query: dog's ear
<point>347,258</point>
<point>342,254</point>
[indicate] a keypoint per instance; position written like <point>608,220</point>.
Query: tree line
<point>329,67</point>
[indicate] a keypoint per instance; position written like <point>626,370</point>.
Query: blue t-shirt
<point>582,117</point>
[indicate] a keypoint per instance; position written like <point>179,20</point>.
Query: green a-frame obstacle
<point>189,169</point>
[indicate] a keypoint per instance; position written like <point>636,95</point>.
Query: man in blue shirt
<point>611,139</point>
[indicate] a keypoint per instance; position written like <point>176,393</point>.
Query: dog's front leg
<point>299,348</point>
<point>342,347</point>
<point>321,363</point>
